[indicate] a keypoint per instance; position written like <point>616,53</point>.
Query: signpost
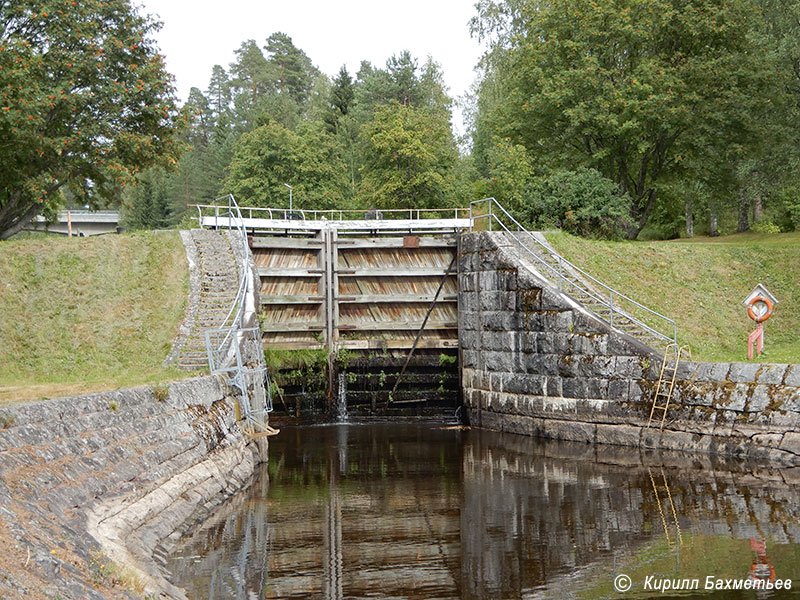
<point>760,305</point>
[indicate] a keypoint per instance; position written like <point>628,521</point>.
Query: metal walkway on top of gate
<point>345,222</point>
<point>357,280</point>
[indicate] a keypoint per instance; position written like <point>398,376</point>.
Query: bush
<point>792,203</point>
<point>765,226</point>
<point>581,202</point>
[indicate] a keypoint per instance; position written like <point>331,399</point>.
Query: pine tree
<point>341,98</point>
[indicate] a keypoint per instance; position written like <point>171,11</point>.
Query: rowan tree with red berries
<point>85,104</point>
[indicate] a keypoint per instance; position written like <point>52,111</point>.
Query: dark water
<point>422,511</point>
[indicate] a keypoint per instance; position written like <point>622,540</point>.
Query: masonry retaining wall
<point>536,362</point>
<point>114,476</point>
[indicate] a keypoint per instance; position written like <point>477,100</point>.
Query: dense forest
<point>606,118</point>
<point>380,137</point>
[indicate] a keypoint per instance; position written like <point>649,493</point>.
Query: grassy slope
<point>88,314</point>
<point>701,283</point>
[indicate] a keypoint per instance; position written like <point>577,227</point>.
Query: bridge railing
<point>233,348</point>
<point>612,303</point>
<point>221,213</point>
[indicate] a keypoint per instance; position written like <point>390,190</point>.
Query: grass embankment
<point>81,315</point>
<point>701,284</point>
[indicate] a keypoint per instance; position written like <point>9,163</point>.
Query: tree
<point>410,154</point>
<point>146,203</point>
<point>85,103</point>
<point>219,98</point>
<point>199,118</point>
<point>340,100</point>
<point>291,68</point>
<point>276,86</point>
<point>644,91</point>
<point>511,172</point>
<point>762,177</point>
<point>251,83</point>
<point>272,155</point>
<point>250,73</point>
<point>403,82</point>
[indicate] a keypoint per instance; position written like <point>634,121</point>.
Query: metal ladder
<point>667,384</point>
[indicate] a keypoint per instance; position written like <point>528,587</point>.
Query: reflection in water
<point>420,511</point>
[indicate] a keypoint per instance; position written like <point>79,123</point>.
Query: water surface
<point>424,511</point>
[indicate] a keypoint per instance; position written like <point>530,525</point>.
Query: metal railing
<point>232,348</point>
<point>220,213</point>
<point>611,301</point>
<point>246,369</point>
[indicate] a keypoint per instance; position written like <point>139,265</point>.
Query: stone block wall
<point>536,362</point>
<point>113,476</point>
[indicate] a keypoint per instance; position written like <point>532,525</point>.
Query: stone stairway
<point>215,286</point>
<point>583,290</point>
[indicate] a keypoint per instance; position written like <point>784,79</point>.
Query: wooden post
<point>460,395</point>
<point>69,222</point>
<point>327,258</point>
<point>756,337</point>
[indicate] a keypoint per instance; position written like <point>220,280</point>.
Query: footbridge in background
<point>80,223</point>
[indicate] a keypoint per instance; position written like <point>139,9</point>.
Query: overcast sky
<point>197,34</point>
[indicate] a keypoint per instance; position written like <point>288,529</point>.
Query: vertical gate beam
<point>335,288</point>
<point>327,257</point>
<point>327,250</point>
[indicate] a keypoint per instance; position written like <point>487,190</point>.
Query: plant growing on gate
<point>447,360</point>
<point>343,357</point>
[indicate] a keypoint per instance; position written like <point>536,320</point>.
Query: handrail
<point>232,328</point>
<point>492,216</point>
<point>234,213</point>
<point>341,214</point>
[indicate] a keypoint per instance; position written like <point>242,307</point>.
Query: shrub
<point>581,202</point>
<point>765,226</point>
<point>161,392</point>
<point>791,200</point>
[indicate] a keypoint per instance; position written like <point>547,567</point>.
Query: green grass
<point>701,283</point>
<point>698,557</point>
<point>88,314</point>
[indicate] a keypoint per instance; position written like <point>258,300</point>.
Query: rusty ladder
<point>666,381</point>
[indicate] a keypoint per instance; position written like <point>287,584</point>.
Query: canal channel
<point>430,510</point>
